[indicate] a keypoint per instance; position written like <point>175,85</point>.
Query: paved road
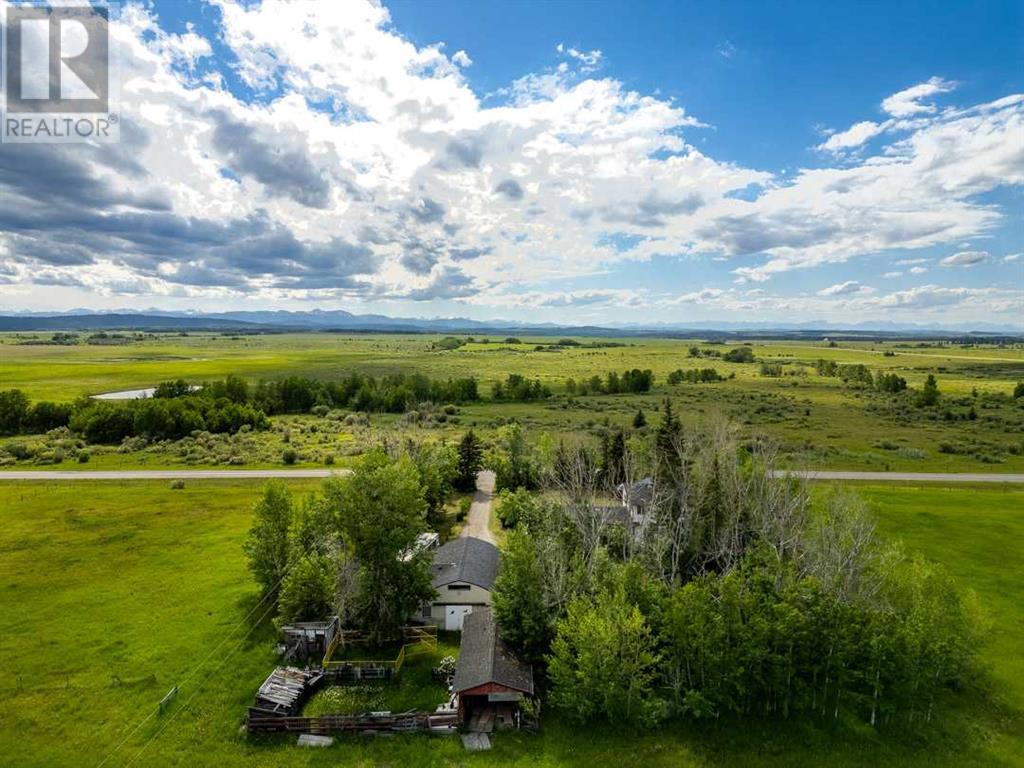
<point>916,477</point>
<point>169,474</point>
<point>485,483</point>
<point>478,522</point>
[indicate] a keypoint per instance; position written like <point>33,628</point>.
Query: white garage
<point>464,571</point>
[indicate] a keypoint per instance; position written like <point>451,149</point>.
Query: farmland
<point>819,421</point>
<point>113,592</point>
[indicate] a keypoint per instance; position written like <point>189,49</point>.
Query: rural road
<point>482,500</point>
<point>478,523</point>
<point>915,477</point>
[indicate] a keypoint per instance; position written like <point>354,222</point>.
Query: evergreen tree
<point>470,459</point>
<point>613,459</point>
<point>929,394</point>
<point>639,421</point>
<point>670,431</point>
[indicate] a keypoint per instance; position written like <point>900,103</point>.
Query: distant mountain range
<point>340,320</point>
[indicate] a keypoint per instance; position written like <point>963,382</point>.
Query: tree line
<point>634,381</point>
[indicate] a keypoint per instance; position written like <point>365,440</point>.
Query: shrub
<point>18,450</point>
<point>739,355</point>
<point>177,485</point>
<point>289,456</point>
<point>464,504</point>
<point>83,457</point>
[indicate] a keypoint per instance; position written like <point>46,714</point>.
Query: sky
<point>595,162</point>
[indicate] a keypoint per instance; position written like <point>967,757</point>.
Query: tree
<point>603,661</point>
<point>613,459</point>
<point>670,431</point>
<point>13,411</point>
<point>1018,391</point>
<point>267,546</point>
<point>639,421</point>
<point>470,460</point>
<point>438,466</point>
<point>518,509</point>
<point>929,394</point>
<point>514,461</point>
<point>380,511</point>
<point>520,606</point>
<point>307,593</point>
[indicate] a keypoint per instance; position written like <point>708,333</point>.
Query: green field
<point>818,421</point>
<point>111,593</point>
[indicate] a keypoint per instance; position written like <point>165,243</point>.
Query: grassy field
<point>818,421</point>
<point>113,592</point>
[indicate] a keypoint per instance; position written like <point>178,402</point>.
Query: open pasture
<point>819,421</point>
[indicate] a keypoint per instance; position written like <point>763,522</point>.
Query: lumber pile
<point>284,692</point>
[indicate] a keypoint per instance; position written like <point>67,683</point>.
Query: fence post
<point>166,700</point>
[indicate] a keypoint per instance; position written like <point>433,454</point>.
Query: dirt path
<point>478,522</point>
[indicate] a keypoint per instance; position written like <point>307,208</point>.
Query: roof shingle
<point>484,657</point>
<point>466,559</point>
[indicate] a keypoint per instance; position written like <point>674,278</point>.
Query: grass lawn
<point>414,688</point>
<point>113,592</point>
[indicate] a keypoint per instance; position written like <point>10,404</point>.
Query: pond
<point>126,394</point>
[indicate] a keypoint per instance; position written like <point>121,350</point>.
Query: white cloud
<point>369,169</point>
<point>907,102</point>
<point>727,50</point>
<point>1012,257</point>
<point>918,270</point>
<point>589,61</point>
<point>854,136</point>
<point>965,259</point>
<point>845,289</point>
<point>893,274</point>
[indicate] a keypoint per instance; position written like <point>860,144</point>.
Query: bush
<point>739,355</point>
<point>83,457</point>
<point>18,450</point>
<point>177,485</point>
<point>464,505</point>
<point>289,456</point>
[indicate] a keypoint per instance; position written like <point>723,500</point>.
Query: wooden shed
<point>308,640</point>
<point>490,681</point>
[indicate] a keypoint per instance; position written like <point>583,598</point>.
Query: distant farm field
<point>111,593</point>
<point>818,421</point>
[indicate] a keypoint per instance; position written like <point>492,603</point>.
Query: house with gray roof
<point>464,571</point>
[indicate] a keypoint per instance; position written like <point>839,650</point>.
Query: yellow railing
<point>417,640</point>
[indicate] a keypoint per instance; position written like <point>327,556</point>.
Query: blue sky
<point>576,162</point>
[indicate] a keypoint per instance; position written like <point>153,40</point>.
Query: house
<point>633,510</point>
<point>490,683</point>
<point>636,497</point>
<point>464,571</point>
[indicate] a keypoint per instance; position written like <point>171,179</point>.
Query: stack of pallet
<point>284,692</point>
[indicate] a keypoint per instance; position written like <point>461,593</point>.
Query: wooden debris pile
<point>285,691</point>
